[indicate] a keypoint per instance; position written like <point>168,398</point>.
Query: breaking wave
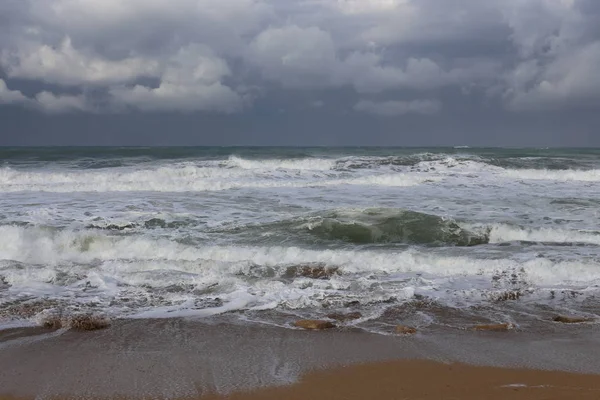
<point>42,247</point>
<point>184,178</point>
<point>133,274</point>
<point>555,175</point>
<point>499,233</point>
<point>237,172</point>
<point>37,246</point>
<point>393,226</point>
<point>306,164</point>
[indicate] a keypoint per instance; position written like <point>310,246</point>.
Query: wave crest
<point>184,179</point>
<point>304,164</point>
<point>394,226</point>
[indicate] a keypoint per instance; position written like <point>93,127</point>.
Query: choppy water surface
<point>273,233</point>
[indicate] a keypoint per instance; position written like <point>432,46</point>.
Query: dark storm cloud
<point>427,64</point>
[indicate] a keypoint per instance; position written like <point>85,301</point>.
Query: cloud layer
<point>395,56</point>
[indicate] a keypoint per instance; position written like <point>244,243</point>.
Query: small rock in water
<point>155,223</point>
<point>494,327</point>
<point>571,320</point>
<point>88,322</point>
<point>56,319</point>
<point>345,317</point>
<point>112,227</point>
<point>405,330</point>
<point>507,296</point>
<point>312,271</point>
<point>50,319</point>
<point>314,324</point>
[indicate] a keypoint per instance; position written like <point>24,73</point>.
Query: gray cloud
<point>45,101</point>
<point>221,56</point>
<point>190,81</point>
<point>394,108</point>
<point>64,65</point>
<point>558,52</point>
<point>8,96</point>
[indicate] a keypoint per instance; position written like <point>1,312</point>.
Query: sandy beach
<point>418,379</point>
<point>429,380</point>
<point>191,359</point>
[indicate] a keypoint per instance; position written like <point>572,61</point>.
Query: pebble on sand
<point>405,330</point>
<point>313,324</point>
<point>494,327</point>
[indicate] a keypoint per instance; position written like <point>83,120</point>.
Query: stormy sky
<point>300,72</point>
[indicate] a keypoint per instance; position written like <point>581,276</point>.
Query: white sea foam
<point>554,175</point>
<point>505,233</point>
<point>184,178</point>
<point>458,166</point>
<point>228,251</point>
<point>84,266</point>
<point>451,165</point>
<point>237,172</point>
<point>133,254</point>
<point>308,164</point>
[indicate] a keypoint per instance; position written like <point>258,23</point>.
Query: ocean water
<point>431,236</point>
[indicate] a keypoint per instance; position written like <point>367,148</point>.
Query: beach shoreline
<point>219,356</point>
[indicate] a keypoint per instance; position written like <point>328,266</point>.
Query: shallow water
<point>487,234</point>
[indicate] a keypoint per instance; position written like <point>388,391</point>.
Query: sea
<point>430,237</point>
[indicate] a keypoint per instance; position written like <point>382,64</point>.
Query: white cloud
<point>112,45</point>
<point>154,27</point>
<point>370,6</point>
<point>8,96</point>
<point>294,56</point>
<point>559,59</point>
<point>55,104</point>
<point>68,66</point>
<point>571,79</point>
<point>394,108</point>
<point>44,101</point>
<point>173,97</point>
<point>190,82</point>
<point>313,61</point>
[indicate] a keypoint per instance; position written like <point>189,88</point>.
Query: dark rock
<point>155,223</point>
<point>112,227</point>
<point>571,320</point>
<point>316,271</point>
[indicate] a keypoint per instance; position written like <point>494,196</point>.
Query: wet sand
<point>429,380</point>
<point>187,359</point>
